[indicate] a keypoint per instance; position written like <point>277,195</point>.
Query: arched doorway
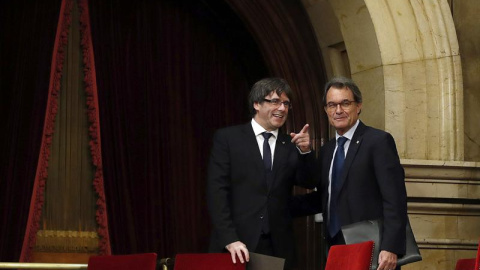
<point>289,47</point>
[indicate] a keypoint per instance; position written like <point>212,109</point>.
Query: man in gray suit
<point>252,170</point>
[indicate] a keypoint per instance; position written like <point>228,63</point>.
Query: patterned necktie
<point>267,153</point>
<point>334,223</point>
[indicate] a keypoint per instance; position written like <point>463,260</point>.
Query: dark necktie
<point>334,223</point>
<point>267,162</point>
<point>267,153</point>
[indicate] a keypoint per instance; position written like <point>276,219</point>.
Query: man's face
<point>344,115</point>
<point>270,116</point>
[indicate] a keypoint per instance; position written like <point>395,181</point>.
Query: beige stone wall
<point>446,218</point>
<point>418,68</point>
<point>467,25</point>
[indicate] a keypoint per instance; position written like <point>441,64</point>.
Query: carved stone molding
<point>441,170</point>
<point>447,244</point>
<point>457,209</point>
<point>456,183</point>
<point>443,204</point>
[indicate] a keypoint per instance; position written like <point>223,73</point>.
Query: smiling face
<point>270,116</point>
<point>342,118</point>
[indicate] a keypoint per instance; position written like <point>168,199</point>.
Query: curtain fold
<point>168,74</point>
<point>27,31</point>
<point>94,128</point>
<point>41,174</point>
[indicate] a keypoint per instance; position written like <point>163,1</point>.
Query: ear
<point>256,105</point>
<point>359,108</point>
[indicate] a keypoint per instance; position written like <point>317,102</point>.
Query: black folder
<point>262,262</point>
<point>372,230</point>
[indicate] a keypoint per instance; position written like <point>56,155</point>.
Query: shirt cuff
<point>303,153</point>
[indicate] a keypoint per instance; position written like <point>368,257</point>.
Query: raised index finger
<point>304,129</point>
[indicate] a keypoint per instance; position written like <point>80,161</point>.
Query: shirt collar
<point>349,133</point>
<point>257,129</point>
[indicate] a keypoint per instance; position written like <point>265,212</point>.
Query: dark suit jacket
<point>238,195</point>
<point>373,186</point>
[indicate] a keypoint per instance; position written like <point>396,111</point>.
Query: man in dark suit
<point>361,175</point>
<point>251,175</point>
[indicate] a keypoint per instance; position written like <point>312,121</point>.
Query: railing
<point>12,265</point>
<point>164,263</point>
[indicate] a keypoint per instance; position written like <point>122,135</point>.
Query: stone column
<point>404,55</point>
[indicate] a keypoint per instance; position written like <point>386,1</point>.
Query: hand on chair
<point>236,249</point>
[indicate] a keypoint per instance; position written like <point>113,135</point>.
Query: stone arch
<point>405,57</point>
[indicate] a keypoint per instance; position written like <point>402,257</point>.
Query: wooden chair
<point>206,261</point>
<point>353,256</point>
<point>143,261</point>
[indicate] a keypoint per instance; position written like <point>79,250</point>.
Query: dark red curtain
<point>168,74</point>
<point>27,35</point>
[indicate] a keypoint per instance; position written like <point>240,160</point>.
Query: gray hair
<point>340,83</point>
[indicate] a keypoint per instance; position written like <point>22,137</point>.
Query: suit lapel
<point>251,146</point>
<point>280,156</point>
<point>281,151</point>
<point>327,157</point>
<point>329,149</point>
<point>352,151</point>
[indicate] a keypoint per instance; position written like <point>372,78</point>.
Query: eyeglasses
<point>344,104</point>
<point>277,102</point>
